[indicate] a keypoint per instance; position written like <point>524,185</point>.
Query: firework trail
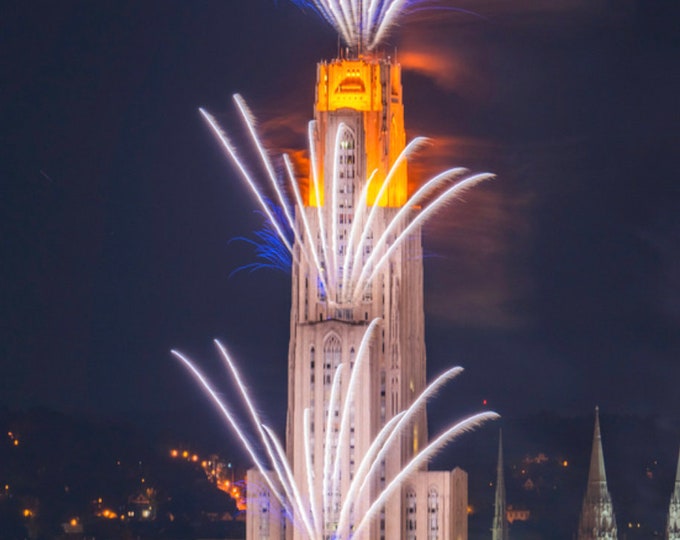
<point>347,289</point>
<point>361,24</point>
<point>290,238</point>
<point>311,515</point>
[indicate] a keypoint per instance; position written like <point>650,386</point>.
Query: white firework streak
<point>360,23</point>
<point>315,515</point>
<point>449,195</point>
<point>345,289</point>
<point>313,165</point>
<point>248,178</point>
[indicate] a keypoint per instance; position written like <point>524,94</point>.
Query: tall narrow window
<point>352,427</point>
<point>432,514</point>
<point>367,295</point>
<point>410,514</point>
<point>332,355</point>
<point>331,360</point>
<point>264,514</point>
<point>312,380</point>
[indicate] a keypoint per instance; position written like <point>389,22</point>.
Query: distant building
<point>72,527</point>
<point>517,514</point>
<point>673,524</point>
<point>499,528</point>
<point>597,520</point>
<point>142,506</point>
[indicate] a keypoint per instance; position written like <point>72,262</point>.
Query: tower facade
<point>597,520</point>
<point>359,129</point>
<point>499,527</point>
<point>673,523</point>
<point>360,278</point>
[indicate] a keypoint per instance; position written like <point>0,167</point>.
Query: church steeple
<point>499,529</point>
<point>597,477</point>
<point>673,523</point>
<point>597,520</point>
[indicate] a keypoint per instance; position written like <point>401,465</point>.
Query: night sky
<point>556,285</point>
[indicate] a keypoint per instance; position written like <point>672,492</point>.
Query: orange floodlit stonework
<point>371,86</point>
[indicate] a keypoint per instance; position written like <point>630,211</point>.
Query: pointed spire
<point>597,515</point>
<point>673,521</point>
<point>499,529</point>
<point>597,475</point>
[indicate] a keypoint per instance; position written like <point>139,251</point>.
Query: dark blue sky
<point>557,286</point>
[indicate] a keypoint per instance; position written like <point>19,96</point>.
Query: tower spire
<point>499,529</point>
<point>673,523</point>
<point>597,516</point>
<point>597,477</point>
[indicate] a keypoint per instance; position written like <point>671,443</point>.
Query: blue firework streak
<point>270,251</point>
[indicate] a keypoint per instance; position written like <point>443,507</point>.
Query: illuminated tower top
<point>368,89</point>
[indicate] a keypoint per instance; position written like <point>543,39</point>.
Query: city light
<point>13,438</point>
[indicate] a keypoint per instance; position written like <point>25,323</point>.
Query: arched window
<point>332,351</point>
<point>432,514</point>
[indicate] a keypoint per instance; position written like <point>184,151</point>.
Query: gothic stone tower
<point>359,129</point>
<point>357,136</point>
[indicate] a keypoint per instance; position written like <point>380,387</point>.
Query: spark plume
<point>310,513</point>
<point>270,251</point>
<point>343,278</point>
<point>350,233</point>
<point>361,24</point>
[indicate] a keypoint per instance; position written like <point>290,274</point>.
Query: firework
<point>341,288</point>
<point>362,24</point>
<point>311,515</point>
